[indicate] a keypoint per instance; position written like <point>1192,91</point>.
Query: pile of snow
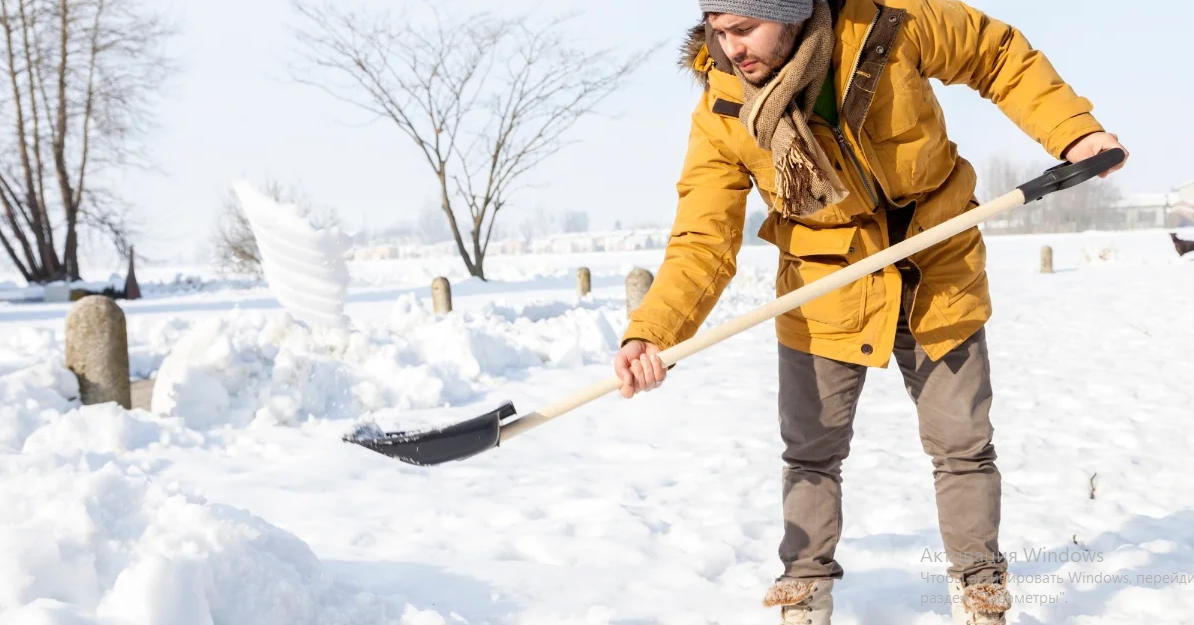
<point>29,398</point>
<point>88,536</point>
<point>266,369</point>
<point>150,339</point>
<point>24,346</point>
<point>110,542</point>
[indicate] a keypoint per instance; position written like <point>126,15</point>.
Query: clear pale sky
<point>235,111</point>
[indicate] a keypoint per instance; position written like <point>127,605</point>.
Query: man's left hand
<point>1093,144</point>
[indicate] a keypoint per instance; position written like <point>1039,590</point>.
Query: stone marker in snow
<point>441,295</point>
<point>1046,259</point>
<point>584,281</point>
<point>638,282</point>
<point>97,351</point>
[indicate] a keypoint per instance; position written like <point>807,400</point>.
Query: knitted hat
<point>784,11</point>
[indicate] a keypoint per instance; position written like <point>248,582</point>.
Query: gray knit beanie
<point>783,11</point>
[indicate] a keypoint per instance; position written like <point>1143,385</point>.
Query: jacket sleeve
<point>700,259</point>
<point>959,44</point>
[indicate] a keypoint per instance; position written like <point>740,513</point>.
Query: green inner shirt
<point>826,105</point>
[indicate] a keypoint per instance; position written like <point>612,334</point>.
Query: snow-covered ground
<point>242,506</point>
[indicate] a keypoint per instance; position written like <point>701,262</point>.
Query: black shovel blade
<point>437,446</point>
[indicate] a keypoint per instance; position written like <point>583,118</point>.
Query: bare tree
<point>540,223</point>
<point>431,226</point>
<point>79,74</point>
<point>485,100</point>
<point>1001,174</point>
<point>235,244</point>
<point>1089,205</point>
<point>575,221</point>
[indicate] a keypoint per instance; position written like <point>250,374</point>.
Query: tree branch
<point>480,133</point>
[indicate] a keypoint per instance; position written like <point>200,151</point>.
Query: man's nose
<point>735,49</point>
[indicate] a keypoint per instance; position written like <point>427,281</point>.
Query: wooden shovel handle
<point>803,295</point>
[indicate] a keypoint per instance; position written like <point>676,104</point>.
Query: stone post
<point>584,281</point>
<point>97,351</point>
<point>638,282</point>
<point>1046,259</point>
<point>441,296</point>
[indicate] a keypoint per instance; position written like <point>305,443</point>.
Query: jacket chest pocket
<point>809,254</point>
<point>896,108</point>
<point>909,150</point>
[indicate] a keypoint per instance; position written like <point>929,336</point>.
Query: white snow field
<point>240,505</point>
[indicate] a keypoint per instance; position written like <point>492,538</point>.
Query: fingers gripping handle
<point>1055,179</point>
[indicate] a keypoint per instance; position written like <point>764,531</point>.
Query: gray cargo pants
<point>818,398</point>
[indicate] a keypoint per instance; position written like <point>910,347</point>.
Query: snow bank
<point>31,397</point>
<point>107,428</point>
<point>112,543</point>
<point>89,536</point>
<point>265,369</point>
<point>22,346</point>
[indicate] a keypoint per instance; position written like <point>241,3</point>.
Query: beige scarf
<point>776,116</point>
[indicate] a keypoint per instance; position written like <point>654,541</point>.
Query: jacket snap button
<point>851,251</point>
<point>867,349</point>
<point>893,19</point>
<point>880,50</point>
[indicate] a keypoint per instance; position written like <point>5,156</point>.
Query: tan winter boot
<point>979,604</point>
<point>803,602</point>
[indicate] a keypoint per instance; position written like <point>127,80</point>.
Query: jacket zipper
<point>853,158</point>
<point>848,151</point>
<point>858,59</point>
<point>845,146</point>
<point>837,129</point>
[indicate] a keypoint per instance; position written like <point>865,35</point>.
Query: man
<point>828,109</point>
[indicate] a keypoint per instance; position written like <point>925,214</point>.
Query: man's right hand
<point>637,364</point>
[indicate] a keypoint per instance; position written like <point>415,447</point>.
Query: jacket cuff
<point>1069,131</point>
<point>649,332</point>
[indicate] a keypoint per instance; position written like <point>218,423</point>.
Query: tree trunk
<point>70,252</point>
<point>12,255</point>
<point>478,254</point>
<point>474,269</point>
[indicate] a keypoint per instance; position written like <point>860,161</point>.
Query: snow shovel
<point>472,437</point>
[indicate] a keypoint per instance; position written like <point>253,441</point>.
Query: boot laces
<point>801,611</point>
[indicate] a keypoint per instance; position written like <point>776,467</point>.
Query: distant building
<point>1159,210</point>
<point>1134,212</point>
<point>559,243</point>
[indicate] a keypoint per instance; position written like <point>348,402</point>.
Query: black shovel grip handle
<point>1069,175</point>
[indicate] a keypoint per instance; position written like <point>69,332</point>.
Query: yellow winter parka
<point>904,175</point>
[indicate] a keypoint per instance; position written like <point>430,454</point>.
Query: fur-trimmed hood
<point>691,49</point>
